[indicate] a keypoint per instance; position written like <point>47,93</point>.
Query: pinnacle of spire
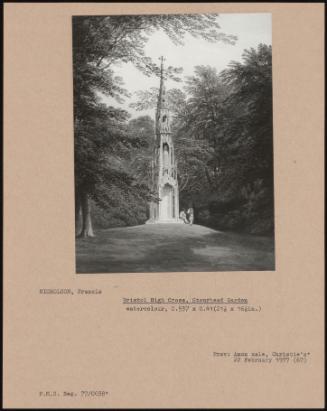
<point>162,89</point>
<point>162,59</point>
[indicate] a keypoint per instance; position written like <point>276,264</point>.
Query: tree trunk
<point>87,229</point>
<point>208,176</point>
<point>78,208</point>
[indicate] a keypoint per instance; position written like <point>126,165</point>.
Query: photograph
<point>173,143</point>
<point>174,151</point>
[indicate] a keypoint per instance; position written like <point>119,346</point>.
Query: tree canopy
<point>222,127</point>
<point>104,141</point>
<point>222,132</point>
<point>227,121</point>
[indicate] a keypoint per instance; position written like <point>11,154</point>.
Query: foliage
<point>109,165</point>
<point>104,40</point>
<point>224,140</point>
<point>147,99</point>
<point>127,205</point>
<point>222,126</point>
<point>222,132</point>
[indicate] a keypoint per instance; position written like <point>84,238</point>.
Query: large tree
<point>249,106</point>
<point>224,140</point>
<point>197,131</point>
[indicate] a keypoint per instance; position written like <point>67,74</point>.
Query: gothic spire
<point>162,90</point>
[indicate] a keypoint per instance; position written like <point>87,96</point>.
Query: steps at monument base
<point>172,221</point>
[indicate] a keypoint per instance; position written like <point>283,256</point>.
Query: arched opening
<point>165,157</point>
<point>164,118</point>
<point>167,203</point>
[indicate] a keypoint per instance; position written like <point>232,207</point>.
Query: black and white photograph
<point>173,143</point>
<point>163,205</point>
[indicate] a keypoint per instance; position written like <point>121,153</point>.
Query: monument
<point>164,168</point>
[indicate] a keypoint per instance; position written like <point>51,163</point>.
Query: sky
<point>251,30</point>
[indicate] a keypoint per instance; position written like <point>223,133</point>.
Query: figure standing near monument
<point>183,217</point>
<point>190,215</point>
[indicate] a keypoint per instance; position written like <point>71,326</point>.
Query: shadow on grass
<point>172,248</point>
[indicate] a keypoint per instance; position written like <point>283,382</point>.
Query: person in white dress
<point>190,215</point>
<point>182,216</point>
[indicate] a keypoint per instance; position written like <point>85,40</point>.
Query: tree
<point>102,140</point>
<point>223,137</point>
<point>250,103</point>
<point>197,136</point>
<point>104,40</point>
<point>142,129</point>
<point>248,135</point>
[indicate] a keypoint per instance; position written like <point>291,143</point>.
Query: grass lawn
<point>171,248</point>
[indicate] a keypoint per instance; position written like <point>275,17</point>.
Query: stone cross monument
<point>164,170</point>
